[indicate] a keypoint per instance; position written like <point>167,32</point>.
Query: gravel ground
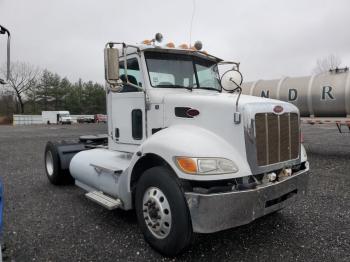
<point>48,223</point>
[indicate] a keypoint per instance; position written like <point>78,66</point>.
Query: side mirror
<point>3,31</point>
<point>111,65</point>
<point>231,79</point>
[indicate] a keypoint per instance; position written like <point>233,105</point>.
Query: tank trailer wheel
<point>54,172</point>
<point>162,211</point>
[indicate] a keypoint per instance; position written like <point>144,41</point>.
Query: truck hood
<point>216,114</point>
<point>213,105</point>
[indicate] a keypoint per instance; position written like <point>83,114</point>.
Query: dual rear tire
<point>54,172</point>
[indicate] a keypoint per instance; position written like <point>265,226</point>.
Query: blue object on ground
<point>1,207</point>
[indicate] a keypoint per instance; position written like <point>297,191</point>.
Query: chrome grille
<point>277,137</point>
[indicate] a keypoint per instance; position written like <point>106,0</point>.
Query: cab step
<point>103,200</point>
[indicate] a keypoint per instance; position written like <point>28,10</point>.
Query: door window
<point>134,75</point>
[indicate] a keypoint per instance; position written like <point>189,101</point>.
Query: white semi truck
<point>184,148</point>
<point>56,117</point>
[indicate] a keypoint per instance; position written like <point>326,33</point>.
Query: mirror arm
<point>239,96</point>
<point>230,63</point>
<point>125,47</point>
<point>8,56</point>
<point>239,88</point>
<point>115,87</point>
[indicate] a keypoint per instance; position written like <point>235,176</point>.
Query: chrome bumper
<point>215,212</point>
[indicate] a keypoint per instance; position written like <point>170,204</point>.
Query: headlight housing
<point>206,166</point>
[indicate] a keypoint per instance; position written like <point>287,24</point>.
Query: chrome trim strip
<point>289,137</point>
<point>267,139</point>
<point>279,138</point>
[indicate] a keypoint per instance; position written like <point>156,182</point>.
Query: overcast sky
<point>271,38</point>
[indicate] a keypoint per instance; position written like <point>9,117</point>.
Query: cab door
<point>128,109</point>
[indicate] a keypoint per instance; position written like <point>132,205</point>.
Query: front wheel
<point>162,211</point>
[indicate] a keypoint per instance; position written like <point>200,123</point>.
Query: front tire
<point>54,172</point>
<point>162,211</point>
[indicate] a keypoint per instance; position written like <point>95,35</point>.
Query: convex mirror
<point>231,79</point>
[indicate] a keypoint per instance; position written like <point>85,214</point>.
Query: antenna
<point>193,12</point>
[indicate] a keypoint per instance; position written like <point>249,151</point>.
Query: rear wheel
<point>162,211</point>
<point>54,172</point>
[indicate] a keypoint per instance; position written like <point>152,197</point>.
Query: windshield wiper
<point>208,88</point>
<point>175,86</point>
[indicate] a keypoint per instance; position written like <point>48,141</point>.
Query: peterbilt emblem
<point>278,109</point>
<point>186,112</point>
<point>192,112</point>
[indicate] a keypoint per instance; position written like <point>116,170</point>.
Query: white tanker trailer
<point>322,98</point>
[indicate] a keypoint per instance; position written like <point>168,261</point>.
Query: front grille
<point>277,137</point>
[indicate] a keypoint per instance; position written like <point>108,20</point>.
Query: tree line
<point>30,91</point>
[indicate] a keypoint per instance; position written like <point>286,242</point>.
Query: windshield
<point>64,115</point>
<point>182,71</point>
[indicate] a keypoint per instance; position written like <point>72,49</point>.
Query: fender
<point>66,151</point>
<point>192,141</point>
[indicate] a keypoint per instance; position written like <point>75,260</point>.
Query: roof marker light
<point>147,42</point>
<point>170,45</point>
<point>183,46</point>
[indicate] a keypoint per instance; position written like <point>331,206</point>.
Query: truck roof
<point>155,48</point>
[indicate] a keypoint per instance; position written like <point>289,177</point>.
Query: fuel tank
<point>323,95</point>
<point>100,169</point>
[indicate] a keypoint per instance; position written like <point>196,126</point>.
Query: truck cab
<point>184,148</point>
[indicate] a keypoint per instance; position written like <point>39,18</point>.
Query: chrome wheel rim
<point>49,163</point>
<point>156,212</point>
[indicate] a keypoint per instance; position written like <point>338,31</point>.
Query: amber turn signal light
<point>187,165</point>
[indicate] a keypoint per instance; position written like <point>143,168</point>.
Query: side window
<point>134,75</point>
<point>208,77</point>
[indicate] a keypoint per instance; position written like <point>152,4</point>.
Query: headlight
<point>206,166</point>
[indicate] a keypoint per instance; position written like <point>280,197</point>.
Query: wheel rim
<point>49,163</point>
<point>156,212</point>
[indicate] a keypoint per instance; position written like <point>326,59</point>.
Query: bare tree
<point>327,63</point>
<point>23,77</point>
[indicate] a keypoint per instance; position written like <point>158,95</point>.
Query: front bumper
<point>216,212</point>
